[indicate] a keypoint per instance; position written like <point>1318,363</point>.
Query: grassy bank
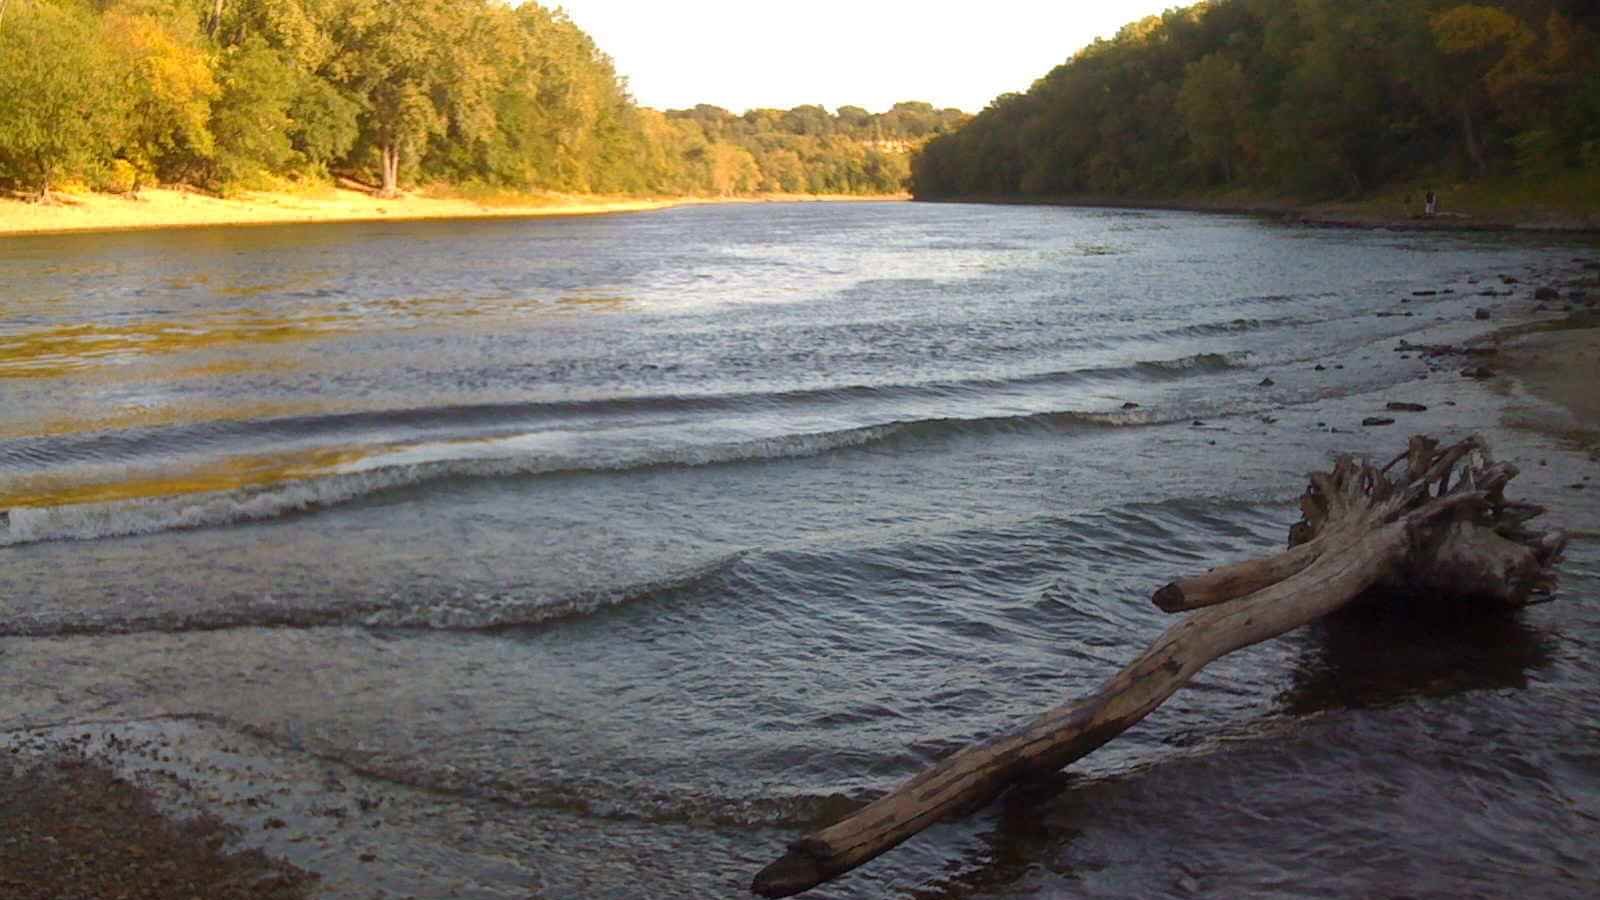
<point>184,209</point>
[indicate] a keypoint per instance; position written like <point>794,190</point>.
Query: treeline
<point>810,150</point>
<point>227,94</point>
<point>1311,98</point>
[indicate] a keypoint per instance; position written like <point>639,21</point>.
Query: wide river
<point>604,557</point>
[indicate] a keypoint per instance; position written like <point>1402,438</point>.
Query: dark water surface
<point>603,557</point>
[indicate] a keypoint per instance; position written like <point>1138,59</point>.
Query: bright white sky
<point>742,54</point>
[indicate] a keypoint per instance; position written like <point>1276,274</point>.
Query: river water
<point>603,557</point>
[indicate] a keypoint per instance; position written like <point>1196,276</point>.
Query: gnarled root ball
<point>1482,551</point>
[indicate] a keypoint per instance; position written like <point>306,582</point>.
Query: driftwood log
<point>1443,528</point>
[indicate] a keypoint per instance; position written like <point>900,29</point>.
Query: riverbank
<point>1464,208</point>
<point>163,208</point>
<point>1559,364</point>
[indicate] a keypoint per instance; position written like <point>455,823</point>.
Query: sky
<point>744,54</point>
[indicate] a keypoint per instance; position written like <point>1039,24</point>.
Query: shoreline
<point>1316,215</point>
<point>164,208</point>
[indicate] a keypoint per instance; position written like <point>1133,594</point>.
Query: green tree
<point>1210,103</point>
<point>250,120</point>
<point>58,111</point>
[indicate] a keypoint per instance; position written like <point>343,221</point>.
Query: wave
<point>437,423</point>
<point>482,612</point>
<point>150,515</point>
<point>146,516</point>
<point>126,518</point>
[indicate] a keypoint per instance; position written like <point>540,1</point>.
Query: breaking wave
<point>127,518</point>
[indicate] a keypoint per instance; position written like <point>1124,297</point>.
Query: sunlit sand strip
<point>156,208</point>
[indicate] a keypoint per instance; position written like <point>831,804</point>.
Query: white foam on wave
<point>404,468</point>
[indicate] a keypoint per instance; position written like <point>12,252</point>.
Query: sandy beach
<point>167,208</point>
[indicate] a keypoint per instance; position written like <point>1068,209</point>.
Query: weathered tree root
<point>1443,528</point>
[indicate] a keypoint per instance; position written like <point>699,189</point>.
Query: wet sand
<point>70,829</point>
<point>1562,366</point>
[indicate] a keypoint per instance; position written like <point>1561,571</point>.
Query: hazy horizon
<point>742,56</point>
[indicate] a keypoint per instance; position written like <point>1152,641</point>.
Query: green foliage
<point>509,100</point>
<point>323,123</point>
<point>251,118</point>
<point>58,110</point>
<point>1318,98</point>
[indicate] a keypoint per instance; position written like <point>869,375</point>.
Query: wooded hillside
<point>1303,98</point>
<point>224,94</point>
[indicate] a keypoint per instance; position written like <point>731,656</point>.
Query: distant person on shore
<point>1430,203</point>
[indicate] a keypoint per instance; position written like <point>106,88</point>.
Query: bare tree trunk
<point>1360,530</point>
<point>391,171</point>
<point>44,177</point>
<point>215,21</point>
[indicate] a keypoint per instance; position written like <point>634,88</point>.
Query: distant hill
<point>1309,99</point>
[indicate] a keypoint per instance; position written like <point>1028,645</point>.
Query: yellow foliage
<point>1465,29</point>
<point>169,81</point>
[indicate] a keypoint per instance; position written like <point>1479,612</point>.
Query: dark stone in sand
<point>1478,372</point>
<point>1406,407</point>
<point>1592,266</point>
<point>1199,424</point>
<point>1547,293</point>
<point>1267,382</point>
<point>1481,314</point>
<point>1338,367</point>
<point>1321,369</point>
<point>1577,295</point>
<point>1130,406</point>
<point>1423,294</point>
<point>1507,279</point>
<point>1448,291</point>
<point>1374,421</point>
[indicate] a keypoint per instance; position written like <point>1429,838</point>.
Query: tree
<point>1491,49</point>
<point>57,108</point>
<point>393,61</point>
<point>251,118</point>
<point>167,84</point>
<point>1210,103</point>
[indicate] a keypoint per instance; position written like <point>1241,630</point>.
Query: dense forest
<point>229,94</point>
<point>1300,98</point>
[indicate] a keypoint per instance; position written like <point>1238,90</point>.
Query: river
<point>602,557</point>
